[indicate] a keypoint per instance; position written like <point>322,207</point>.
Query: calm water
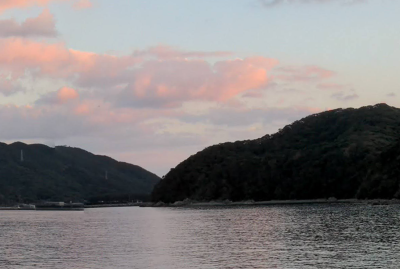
<point>317,236</point>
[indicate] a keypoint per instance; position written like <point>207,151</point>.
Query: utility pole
<point>106,175</point>
<point>22,156</point>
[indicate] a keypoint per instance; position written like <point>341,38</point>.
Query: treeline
<point>118,198</point>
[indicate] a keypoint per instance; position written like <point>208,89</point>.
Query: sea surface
<point>286,236</point>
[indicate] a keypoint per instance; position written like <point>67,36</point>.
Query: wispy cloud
<point>343,96</point>
<point>272,3</point>
<point>331,86</point>
<point>167,52</point>
<point>83,4</point>
<point>302,73</point>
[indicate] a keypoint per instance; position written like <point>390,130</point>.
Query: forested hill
<point>343,153</point>
<point>65,174</point>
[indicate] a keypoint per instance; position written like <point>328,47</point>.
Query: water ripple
<point>285,237</point>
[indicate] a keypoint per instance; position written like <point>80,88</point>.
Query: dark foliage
<point>65,174</point>
<point>119,198</point>
<point>344,153</point>
<point>382,179</point>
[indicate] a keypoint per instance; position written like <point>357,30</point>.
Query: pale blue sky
<point>358,41</point>
<point>322,33</point>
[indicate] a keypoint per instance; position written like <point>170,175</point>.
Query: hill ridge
<point>67,173</point>
<point>319,156</point>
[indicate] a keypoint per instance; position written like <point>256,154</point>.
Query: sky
<point>152,82</point>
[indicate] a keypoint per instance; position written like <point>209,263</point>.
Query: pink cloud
<point>65,94</point>
<point>65,113</point>
<point>17,4</point>
<point>171,82</point>
<point>172,74</point>
<point>10,4</point>
<point>83,4</point>
<point>42,26</point>
<point>60,97</point>
<point>312,110</point>
<point>82,109</point>
<point>238,76</point>
<point>165,80</point>
<point>19,56</point>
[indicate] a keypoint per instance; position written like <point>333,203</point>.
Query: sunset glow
<point>139,80</point>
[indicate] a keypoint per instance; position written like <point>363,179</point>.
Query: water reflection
<point>318,236</point>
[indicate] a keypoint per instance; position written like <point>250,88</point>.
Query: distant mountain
<point>65,174</point>
<point>343,153</point>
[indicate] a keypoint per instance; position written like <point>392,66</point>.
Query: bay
<point>286,236</point>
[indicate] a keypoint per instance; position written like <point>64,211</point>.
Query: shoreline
<point>15,208</point>
<point>113,205</point>
<point>194,204</point>
<point>189,204</point>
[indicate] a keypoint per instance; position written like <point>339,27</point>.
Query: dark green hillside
<point>323,155</point>
<point>64,173</point>
<point>382,179</point>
